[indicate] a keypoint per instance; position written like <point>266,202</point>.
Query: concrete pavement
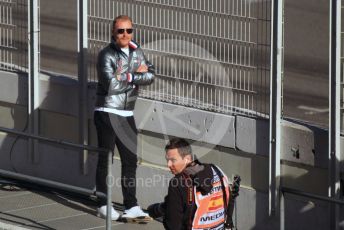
<point>22,209</point>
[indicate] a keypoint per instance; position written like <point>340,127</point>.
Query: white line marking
<point>11,227</point>
<point>61,218</point>
<point>312,110</point>
<point>14,195</point>
<point>102,226</point>
<point>31,207</point>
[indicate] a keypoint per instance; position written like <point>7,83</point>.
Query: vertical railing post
<point>33,80</point>
<point>109,182</point>
<point>334,104</point>
<point>83,80</point>
<point>275,107</point>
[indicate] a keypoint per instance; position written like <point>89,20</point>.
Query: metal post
<point>82,77</point>
<point>275,107</point>
<point>109,182</point>
<point>312,196</point>
<point>49,183</point>
<point>334,116</point>
<point>45,182</point>
<point>58,185</point>
<point>33,80</point>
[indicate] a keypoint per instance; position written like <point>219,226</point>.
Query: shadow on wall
<point>57,120</point>
<point>14,115</point>
<point>299,212</point>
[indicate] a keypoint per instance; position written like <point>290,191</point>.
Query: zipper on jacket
<point>125,101</point>
<point>129,60</point>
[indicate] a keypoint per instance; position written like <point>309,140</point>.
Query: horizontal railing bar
<point>49,183</point>
<point>56,141</point>
<point>310,195</point>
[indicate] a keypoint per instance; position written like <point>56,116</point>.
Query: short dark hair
<point>121,18</point>
<point>182,145</point>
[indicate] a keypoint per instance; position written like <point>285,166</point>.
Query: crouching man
<point>199,195</point>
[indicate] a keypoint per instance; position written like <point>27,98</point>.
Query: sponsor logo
<point>211,218</point>
<point>215,203</point>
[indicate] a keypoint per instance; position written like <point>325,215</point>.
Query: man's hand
<point>229,226</point>
<point>142,69</point>
<point>121,77</point>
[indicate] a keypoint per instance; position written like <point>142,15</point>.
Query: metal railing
<point>285,190</point>
<point>211,55</point>
<point>310,195</point>
<point>14,35</point>
<point>58,185</point>
<point>341,74</point>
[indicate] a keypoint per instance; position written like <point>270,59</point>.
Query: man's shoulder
<point>177,177</point>
<point>212,166</point>
<point>107,51</point>
<point>109,47</point>
<point>177,180</point>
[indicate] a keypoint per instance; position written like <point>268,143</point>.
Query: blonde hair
<point>121,18</point>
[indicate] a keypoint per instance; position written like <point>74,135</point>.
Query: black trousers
<point>114,130</point>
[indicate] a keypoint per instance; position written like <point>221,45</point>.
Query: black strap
<point>190,200</point>
<point>228,206</point>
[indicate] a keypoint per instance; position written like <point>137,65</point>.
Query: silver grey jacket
<point>118,81</point>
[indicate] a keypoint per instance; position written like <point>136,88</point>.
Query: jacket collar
<point>201,175</point>
<point>132,45</point>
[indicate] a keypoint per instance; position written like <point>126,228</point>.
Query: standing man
<point>122,67</point>
<point>199,195</point>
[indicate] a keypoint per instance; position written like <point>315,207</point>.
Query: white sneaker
<point>102,213</point>
<point>134,212</point>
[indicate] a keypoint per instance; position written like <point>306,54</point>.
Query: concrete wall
<point>239,145</point>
